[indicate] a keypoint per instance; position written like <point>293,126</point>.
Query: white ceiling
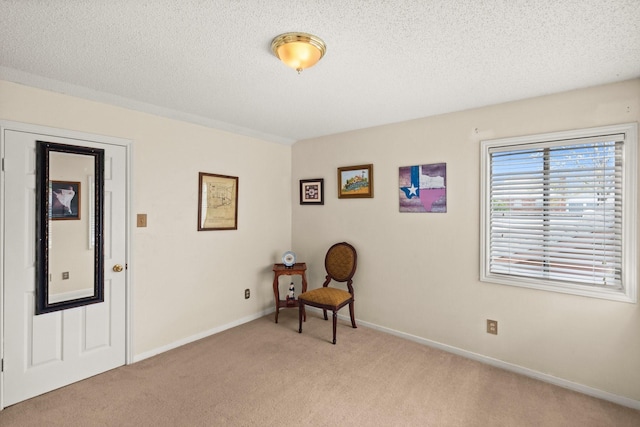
<point>209,61</point>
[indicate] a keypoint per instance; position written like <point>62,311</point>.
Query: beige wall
<point>418,273</point>
<point>185,282</point>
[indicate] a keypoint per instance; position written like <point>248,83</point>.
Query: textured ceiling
<point>209,62</point>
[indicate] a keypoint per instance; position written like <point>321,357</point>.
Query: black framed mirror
<point>69,226</point>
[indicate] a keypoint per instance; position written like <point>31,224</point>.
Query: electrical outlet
<point>247,293</point>
<point>492,327</point>
<point>65,275</point>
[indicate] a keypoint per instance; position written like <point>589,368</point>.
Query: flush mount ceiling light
<point>298,50</point>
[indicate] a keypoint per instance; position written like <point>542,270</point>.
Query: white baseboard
<point>580,388</point>
<point>196,337</point>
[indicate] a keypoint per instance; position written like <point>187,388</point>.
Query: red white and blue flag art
<point>423,188</point>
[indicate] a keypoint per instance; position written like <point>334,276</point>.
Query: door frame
<point>6,125</point>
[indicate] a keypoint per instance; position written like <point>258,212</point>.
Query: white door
<point>51,350</point>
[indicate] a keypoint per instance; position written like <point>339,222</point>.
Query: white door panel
<point>48,351</point>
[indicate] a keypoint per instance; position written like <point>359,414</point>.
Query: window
<point>559,212</point>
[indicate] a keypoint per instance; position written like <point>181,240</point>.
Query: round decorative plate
<point>288,259</point>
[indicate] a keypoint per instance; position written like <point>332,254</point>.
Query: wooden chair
<point>340,263</point>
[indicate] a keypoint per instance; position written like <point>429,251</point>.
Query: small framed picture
<point>355,182</point>
<point>64,200</point>
<point>217,202</point>
<point>312,191</point>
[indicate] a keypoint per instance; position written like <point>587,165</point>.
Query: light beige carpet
<point>263,374</point>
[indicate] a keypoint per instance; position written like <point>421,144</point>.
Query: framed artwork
<point>64,200</point>
<point>217,202</point>
<point>355,182</point>
<point>423,188</point>
<point>312,191</point>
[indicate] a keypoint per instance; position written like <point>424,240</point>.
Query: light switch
<point>142,220</point>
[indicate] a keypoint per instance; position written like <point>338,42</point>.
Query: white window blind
<point>557,215</point>
<point>556,212</point>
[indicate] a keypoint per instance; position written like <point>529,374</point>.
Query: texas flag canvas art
<point>423,188</point>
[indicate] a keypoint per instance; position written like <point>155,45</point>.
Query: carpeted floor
<point>263,374</point>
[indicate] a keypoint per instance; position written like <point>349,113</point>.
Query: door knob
<point>117,268</point>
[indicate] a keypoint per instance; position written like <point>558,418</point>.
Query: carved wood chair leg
<point>353,318</point>
<point>335,323</point>
<point>300,314</point>
<point>325,314</point>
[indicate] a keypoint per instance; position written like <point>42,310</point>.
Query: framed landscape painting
<point>355,182</point>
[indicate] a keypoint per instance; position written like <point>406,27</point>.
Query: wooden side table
<point>298,268</point>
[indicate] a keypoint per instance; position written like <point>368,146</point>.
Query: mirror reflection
<point>69,203</point>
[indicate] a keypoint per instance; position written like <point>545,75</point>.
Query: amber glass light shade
<point>298,50</point>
